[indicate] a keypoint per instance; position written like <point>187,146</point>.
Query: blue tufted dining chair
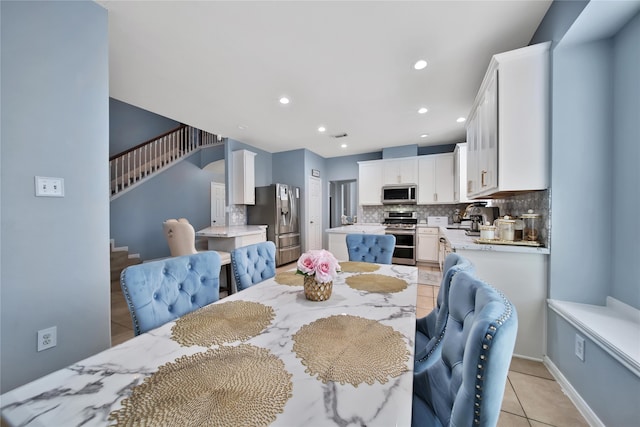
<point>376,248</point>
<point>430,328</point>
<point>158,292</point>
<point>253,263</point>
<point>466,385</point>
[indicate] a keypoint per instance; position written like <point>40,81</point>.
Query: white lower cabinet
<point>428,244</point>
<point>522,277</point>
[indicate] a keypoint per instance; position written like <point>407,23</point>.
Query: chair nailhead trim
<point>506,314</point>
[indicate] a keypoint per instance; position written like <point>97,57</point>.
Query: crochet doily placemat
<point>358,267</point>
<point>376,283</point>
<point>351,349</point>
<point>222,323</point>
<point>227,386</point>
<point>289,278</point>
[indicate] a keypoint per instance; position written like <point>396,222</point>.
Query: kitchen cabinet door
<point>400,171</point>
<point>507,130</point>
<point>428,244</point>
<point>370,183</point>
<point>460,173</point>
<point>435,179</point>
<point>488,143</point>
<point>243,177</point>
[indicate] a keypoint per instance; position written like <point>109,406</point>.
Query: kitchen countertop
<point>231,231</point>
<point>358,228</point>
<point>460,241</point>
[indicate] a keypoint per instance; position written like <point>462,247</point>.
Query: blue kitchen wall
<point>594,252</point>
<point>130,126</point>
<point>582,153</point>
<point>346,167</point>
<point>55,122</point>
<point>181,191</point>
<point>625,250</point>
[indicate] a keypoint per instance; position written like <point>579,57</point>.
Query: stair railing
<point>137,163</point>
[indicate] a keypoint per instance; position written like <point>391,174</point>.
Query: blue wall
<point>182,191</point>
<point>595,156</point>
<point>130,126</point>
<point>625,250</point>
<point>580,262</point>
<point>55,122</point>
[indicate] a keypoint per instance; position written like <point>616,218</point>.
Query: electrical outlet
<point>579,347</point>
<point>47,338</point>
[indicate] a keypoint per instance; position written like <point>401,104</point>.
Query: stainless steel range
<point>402,224</point>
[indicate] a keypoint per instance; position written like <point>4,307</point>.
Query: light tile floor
<point>532,397</point>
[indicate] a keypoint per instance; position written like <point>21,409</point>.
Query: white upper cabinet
<point>460,173</point>
<point>370,182</point>
<point>400,171</point>
<point>435,184</point>
<point>507,129</point>
<point>243,176</point>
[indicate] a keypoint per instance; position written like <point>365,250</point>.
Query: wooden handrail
<point>182,126</point>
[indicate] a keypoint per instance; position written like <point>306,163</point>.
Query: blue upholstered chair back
<point>158,292</point>
<point>377,248</point>
<point>253,263</point>
<point>466,385</point>
<point>430,328</point>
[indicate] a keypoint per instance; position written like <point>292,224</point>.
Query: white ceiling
<point>346,65</point>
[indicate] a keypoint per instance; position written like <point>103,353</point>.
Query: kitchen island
<point>520,272</point>
<point>228,238</point>
<point>337,236</point>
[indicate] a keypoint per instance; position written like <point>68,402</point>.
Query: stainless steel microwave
<point>399,194</point>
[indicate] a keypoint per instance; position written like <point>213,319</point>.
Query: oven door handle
<point>401,232</point>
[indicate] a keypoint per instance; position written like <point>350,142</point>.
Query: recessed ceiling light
<point>242,127</point>
<point>424,135</point>
<point>321,129</point>
<point>284,100</point>
<point>344,146</point>
<point>422,110</point>
<point>419,65</point>
<point>461,120</point>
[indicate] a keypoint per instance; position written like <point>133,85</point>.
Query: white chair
<point>181,237</point>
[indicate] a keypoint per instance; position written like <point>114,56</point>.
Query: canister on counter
<point>505,228</point>
<point>531,231</point>
<point>487,231</point>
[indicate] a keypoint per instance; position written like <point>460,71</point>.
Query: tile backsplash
<point>237,215</point>
<point>515,205</point>
<point>375,214</point>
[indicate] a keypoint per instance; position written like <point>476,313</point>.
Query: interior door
<point>218,191</point>
<point>314,214</point>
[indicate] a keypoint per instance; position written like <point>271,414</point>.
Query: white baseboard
<point>573,395</point>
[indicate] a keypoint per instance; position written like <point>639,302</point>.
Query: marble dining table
<point>263,356</point>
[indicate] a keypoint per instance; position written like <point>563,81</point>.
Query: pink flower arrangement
<point>320,263</point>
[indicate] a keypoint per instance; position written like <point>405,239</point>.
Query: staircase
<point>120,259</point>
<point>137,164</point>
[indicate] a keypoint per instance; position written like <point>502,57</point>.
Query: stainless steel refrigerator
<point>278,206</point>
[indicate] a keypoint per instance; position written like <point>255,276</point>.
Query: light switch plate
<point>49,187</point>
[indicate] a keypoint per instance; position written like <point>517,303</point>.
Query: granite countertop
<point>231,230</point>
<point>460,241</point>
<point>358,228</point>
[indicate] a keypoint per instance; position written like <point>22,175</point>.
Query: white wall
<point>55,122</point>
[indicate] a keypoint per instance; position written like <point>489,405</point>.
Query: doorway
<point>343,202</point>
